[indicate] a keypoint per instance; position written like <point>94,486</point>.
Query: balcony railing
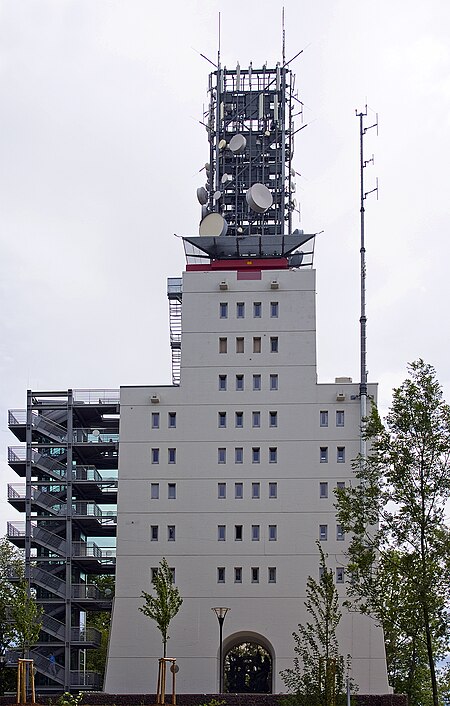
<point>110,397</point>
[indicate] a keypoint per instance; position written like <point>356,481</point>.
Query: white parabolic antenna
<point>213,224</point>
<point>259,198</point>
<point>238,144</point>
<point>202,195</point>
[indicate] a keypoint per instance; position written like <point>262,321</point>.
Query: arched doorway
<point>248,664</point>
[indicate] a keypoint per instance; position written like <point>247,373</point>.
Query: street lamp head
<point>221,612</point>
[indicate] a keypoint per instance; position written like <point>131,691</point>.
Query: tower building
<point>230,471</point>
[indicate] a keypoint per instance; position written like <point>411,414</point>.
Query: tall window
<point>340,485</point>
<point>272,533</point>
<point>340,575</point>
<point>273,419</point>
<point>239,344</point>
<point>221,533</point>
<point>155,420</point>
<point>256,382</point>
<point>340,455</point>
<point>340,534</point>
<point>256,454</point>
<point>222,382</point>
<point>323,490</point>
<point>256,419</point>
<point>223,345</point>
<point>272,574</point>
<point>238,491</point>
<point>257,310</point>
<point>255,533</point>
<point>170,533</point>
<point>171,455</point>
<point>240,310</point>
<point>274,310</point>
<point>273,381</point>
<point>257,344</point>
<point>239,455</point>
<point>238,533</point>
<point>171,491</point>
<point>239,383</point>
<point>239,420</point>
<point>222,420</point>
<point>273,490</point>
<point>324,454</point>
<point>255,574</point>
<point>220,574</point>
<point>323,418</point>
<point>155,455</point>
<point>221,455</point>
<point>172,420</point>
<point>238,574</point>
<point>340,419</point>
<point>323,533</point>
<point>273,455</point>
<point>223,310</point>
<point>154,491</point>
<point>274,344</point>
<point>154,533</point>
<point>256,490</point>
<point>221,491</point>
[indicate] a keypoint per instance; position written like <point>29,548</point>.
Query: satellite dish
<point>95,432</point>
<point>213,224</point>
<point>259,198</point>
<point>202,195</point>
<point>205,211</point>
<point>226,178</point>
<point>217,195</point>
<point>207,166</point>
<point>222,144</point>
<point>238,144</point>
<point>296,259</point>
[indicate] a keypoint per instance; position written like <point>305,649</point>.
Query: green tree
<point>26,618</point>
<point>166,604</point>
<point>400,568</point>
<point>318,677</point>
<point>101,620</point>
<point>11,567</point>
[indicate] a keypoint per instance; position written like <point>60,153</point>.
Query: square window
<point>239,420</point>
<point>256,420</point>
<point>340,456</point>
<point>154,533</point>
<point>255,533</point>
<point>239,383</point>
<point>273,419</point>
<point>273,490</point>
<point>155,455</point>
<point>340,419</point>
<point>256,382</point>
<point>340,575</point>
<point>221,455</point>
<point>172,420</point>
<point>272,533</point>
<point>274,382</point>
<point>222,382</point>
<point>273,455</point>
<point>172,491</point>
<point>239,344</point>
<point>155,420</point>
<point>323,490</point>
<point>222,420</point>
<point>237,574</point>
<point>340,534</point>
<point>170,533</point>
<point>323,533</point>
<point>154,491</point>
<point>238,454</point>
<point>256,454</point>
<point>272,574</point>
<point>223,345</point>
<point>238,532</point>
<point>340,485</point>
<point>221,533</point>
<point>239,491</point>
<point>273,310</point>
<point>257,309</point>
<point>221,574</point>
<point>255,574</point>
<point>324,454</point>
<point>223,310</point>
<point>256,344</point>
<point>221,491</point>
<point>171,455</point>
<point>256,490</point>
<point>274,344</point>
<point>323,418</point>
<point>240,310</point>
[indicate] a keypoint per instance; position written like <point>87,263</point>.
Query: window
<point>154,572</point>
<point>172,491</point>
<point>257,309</point>
<point>221,574</point>
<point>222,420</point>
<point>239,420</point>
<point>222,382</point>
<point>274,344</point>
<point>256,382</point>
<point>240,310</point>
<point>324,454</point>
<point>273,310</point>
<point>221,455</point>
<point>171,455</point>
<point>255,574</point>
<point>223,310</point>
<point>221,533</point>
<point>154,491</point>
<point>221,490</point>
<point>274,382</point>
<point>239,383</point>
<point>223,345</point>
<point>323,418</point>
<point>340,419</point>
<point>239,491</point>
<point>256,419</point>
<point>155,420</point>
<point>323,533</point>
<point>340,485</point>
<point>272,574</point>
<point>321,572</point>
<point>172,420</point>
<point>154,533</point>
<point>238,454</point>
<point>340,534</point>
<point>340,574</point>
<point>340,456</point>
<point>256,344</point>
<point>273,454</point>
<point>273,419</point>
<point>272,533</point>
<point>256,490</point>
<point>273,490</point>
<point>256,454</point>
<point>155,455</point>
<point>255,533</point>
<point>239,344</point>
<point>238,533</point>
<point>323,490</point>
<point>238,574</point>
<point>170,533</point>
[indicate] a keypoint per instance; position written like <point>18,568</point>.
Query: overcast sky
<point>100,148</point>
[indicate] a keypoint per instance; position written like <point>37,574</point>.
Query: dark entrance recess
<point>248,669</point>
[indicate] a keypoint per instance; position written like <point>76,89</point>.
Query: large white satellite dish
<point>213,224</point>
<point>259,198</point>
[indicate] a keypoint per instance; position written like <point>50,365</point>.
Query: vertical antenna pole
<point>218,48</point>
<point>283,38</point>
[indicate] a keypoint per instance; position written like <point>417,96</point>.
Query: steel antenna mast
<point>363,318</point>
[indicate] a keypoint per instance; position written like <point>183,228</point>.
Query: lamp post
<point>221,613</point>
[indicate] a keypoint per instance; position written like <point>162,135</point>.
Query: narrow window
<point>222,420</point>
<point>323,490</point>
<point>340,420</point>
<point>240,310</point>
<point>221,533</point>
<point>256,382</point>
<point>239,491</point>
<point>238,533</point>
<point>256,490</point>
<point>223,310</point>
<point>274,344</point>
<point>222,382</point>
<point>238,454</point>
<point>170,533</point>
<point>272,533</point>
<point>273,490</point>
<point>221,491</point>
<point>238,574</point>
<point>272,574</point>
<point>171,455</point>
<point>154,572</point>
<point>274,382</point>
<point>323,533</point>
<point>172,420</point>
<point>321,572</point>
<point>324,454</point>
<point>256,454</point>
<point>255,533</point>
<point>255,574</point>
<point>155,420</point>
<point>239,383</point>
<point>340,485</point>
<point>273,310</point>
<point>223,345</point>
<point>257,310</point>
<point>221,455</point>
<point>340,534</point>
<point>323,418</point>
<point>172,491</point>
<point>154,533</point>
<point>340,574</point>
<point>340,456</point>
<point>273,419</point>
<point>239,420</point>
<point>221,574</point>
<point>256,420</point>
<point>273,455</point>
<point>154,491</point>
<point>155,455</point>
<point>256,344</point>
<point>239,344</point>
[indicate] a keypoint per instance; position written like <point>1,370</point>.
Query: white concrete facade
<point>272,464</point>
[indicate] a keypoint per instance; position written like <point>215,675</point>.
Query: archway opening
<point>248,669</point>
